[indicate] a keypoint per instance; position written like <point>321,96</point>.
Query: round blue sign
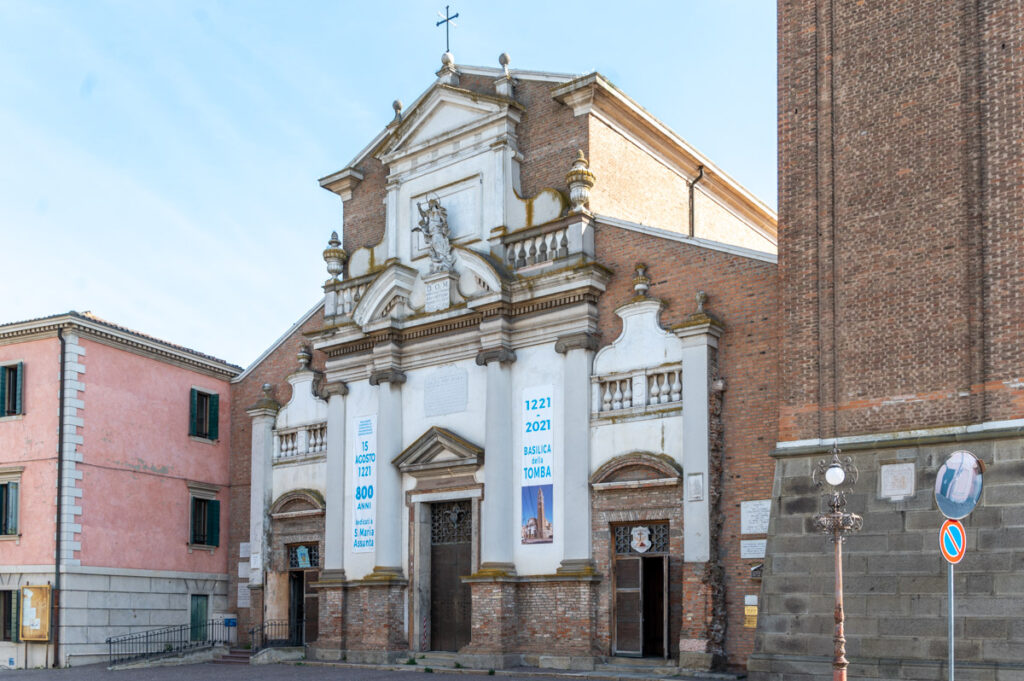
<point>958,485</point>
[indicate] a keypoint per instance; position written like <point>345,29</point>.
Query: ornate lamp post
<point>840,475</point>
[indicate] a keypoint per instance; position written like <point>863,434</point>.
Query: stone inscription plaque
<point>752,548</point>
<point>754,516</point>
<point>445,391</point>
<point>438,295</point>
<point>243,595</point>
<point>897,481</point>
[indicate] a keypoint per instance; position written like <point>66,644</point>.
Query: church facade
<point>526,421</point>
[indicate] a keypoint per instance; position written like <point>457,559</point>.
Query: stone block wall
<point>895,578</point>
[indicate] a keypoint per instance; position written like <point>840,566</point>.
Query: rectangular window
<point>9,615</point>
<point>205,522</point>
<point>9,507</point>
<point>203,415</point>
<point>12,378</point>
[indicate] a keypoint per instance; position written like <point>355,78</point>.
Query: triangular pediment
<point>439,450</point>
<point>444,112</point>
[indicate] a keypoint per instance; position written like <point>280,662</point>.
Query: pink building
<point>113,483</point>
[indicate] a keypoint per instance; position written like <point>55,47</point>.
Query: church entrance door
<point>451,557</point>
<point>641,591</point>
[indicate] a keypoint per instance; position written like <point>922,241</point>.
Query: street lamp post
<point>839,475</point>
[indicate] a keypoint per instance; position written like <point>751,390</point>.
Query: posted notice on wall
<point>364,476</point>
<point>538,463</point>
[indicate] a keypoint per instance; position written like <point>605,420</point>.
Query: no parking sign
<point>953,541</point>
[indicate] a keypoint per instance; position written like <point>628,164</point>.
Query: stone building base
<point>895,579</point>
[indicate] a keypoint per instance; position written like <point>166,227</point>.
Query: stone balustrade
<point>304,441</point>
<point>637,390</point>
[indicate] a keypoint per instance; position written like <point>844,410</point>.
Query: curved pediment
<point>388,295</point>
<point>642,343</point>
<point>439,450</point>
<point>636,467</point>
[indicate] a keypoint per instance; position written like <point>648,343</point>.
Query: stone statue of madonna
<point>434,226</point>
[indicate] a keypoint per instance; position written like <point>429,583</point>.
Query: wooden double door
<point>641,598</point>
<point>451,558</point>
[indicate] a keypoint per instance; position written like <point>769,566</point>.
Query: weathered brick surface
<point>742,295</point>
<point>657,504</point>
<point>556,617</point>
<point>273,369</point>
<point>548,137</point>
<point>900,147</point>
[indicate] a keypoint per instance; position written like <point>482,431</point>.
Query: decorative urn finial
<point>641,282</point>
<point>504,60</point>
<point>580,180</point>
<point>304,356</point>
<point>335,256</point>
<point>702,299</point>
<point>397,106</point>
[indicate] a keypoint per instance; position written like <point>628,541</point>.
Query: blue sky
<point>159,158</point>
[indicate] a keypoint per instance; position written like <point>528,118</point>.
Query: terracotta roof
<point>90,317</point>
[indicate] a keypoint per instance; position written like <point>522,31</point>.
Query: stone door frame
<point>419,554</point>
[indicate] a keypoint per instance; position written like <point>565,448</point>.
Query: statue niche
<point>434,226</point>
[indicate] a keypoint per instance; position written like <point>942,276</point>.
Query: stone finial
<point>448,75</point>
<point>580,181</point>
<point>641,282</point>
<point>335,256</point>
<point>304,356</point>
<point>702,299</point>
<point>397,106</point>
<point>266,390</point>
<point>503,85</point>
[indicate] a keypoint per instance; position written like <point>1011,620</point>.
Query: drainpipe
<point>55,599</point>
<point>700,176</point>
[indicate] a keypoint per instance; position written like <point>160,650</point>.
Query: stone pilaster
<point>497,518</point>
<point>702,572</point>
<point>579,357</point>
<point>388,561</point>
<point>334,521</point>
<point>263,415</point>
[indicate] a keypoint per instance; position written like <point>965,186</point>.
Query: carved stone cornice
<point>389,375</point>
<point>503,355</point>
<point>577,341</point>
<point>337,388</point>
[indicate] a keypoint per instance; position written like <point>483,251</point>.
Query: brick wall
<point>743,296</point>
<point>900,147</point>
<point>273,369</point>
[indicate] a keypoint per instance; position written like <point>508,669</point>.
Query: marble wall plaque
<point>897,481</point>
<point>752,548</point>
<point>243,595</point>
<point>445,391</point>
<point>438,294</point>
<point>754,516</point>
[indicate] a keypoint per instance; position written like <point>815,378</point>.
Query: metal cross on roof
<point>447,20</point>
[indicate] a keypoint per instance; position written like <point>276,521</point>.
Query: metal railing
<point>167,641</point>
<point>278,634</point>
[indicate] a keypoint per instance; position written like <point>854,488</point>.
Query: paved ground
<point>278,672</point>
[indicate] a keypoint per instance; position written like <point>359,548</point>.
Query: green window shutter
<point>193,399</point>
<point>12,508</point>
<point>213,523</point>
<point>17,394</point>
<point>3,391</point>
<point>214,408</point>
<point>15,606</point>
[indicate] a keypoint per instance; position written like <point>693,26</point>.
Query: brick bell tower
<point>901,167</point>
